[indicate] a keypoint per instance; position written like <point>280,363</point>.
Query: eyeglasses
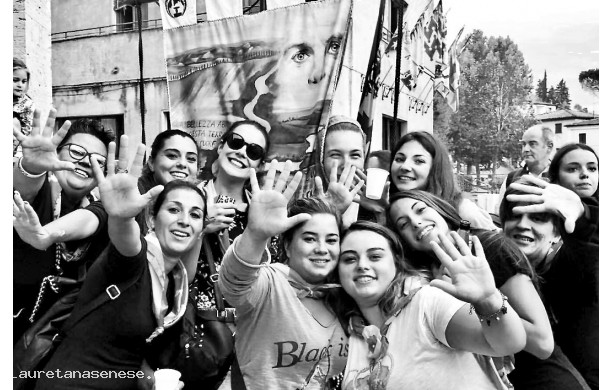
<point>78,153</point>
<point>253,151</point>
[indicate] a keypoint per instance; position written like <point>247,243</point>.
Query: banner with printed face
<point>278,68</point>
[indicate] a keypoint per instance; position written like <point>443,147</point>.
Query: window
<point>396,11</point>
<point>558,128</point>
<point>166,120</point>
<point>114,123</point>
<point>582,138</point>
<point>389,134</point>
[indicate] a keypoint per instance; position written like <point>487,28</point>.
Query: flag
<point>371,80</point>
<point>452,98</point>
<point>219,9</point>
<point>435,38</point>
<point>276,68</point>
<point>271,4</point>
<point>177,13</point>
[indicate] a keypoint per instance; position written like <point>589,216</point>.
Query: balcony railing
<point>152,24</point>
<point>131,26</point>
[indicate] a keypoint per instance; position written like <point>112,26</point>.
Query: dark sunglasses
<point>78,153</point>
<point>253,151</point>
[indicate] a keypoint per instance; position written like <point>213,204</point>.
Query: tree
<point>495,83</point>
<point>541,91</point>
<point>552,96</point>
<point>441,117</point>
<point>578,107</point>
<point>562,95</point>
<point>589,79</point>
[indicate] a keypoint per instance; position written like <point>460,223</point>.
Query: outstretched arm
<point>39,155</point>
<point>472,281</point>
<point>76,225</point>
<point>268,213</point>
<point>525,300</point>
<point>543,197</point>
<point>121,198</point>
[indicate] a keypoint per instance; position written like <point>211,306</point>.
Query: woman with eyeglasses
<point>59,226</point>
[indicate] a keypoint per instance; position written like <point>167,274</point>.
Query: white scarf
<point>159,284</point>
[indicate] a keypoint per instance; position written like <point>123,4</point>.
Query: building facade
<point>572,126</point>
<point>95,70</point>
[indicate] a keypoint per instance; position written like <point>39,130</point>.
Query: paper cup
<point>375,182</point>
<point>166,379</point>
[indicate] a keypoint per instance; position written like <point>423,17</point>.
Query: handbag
<point>35,347</point>
<point>201,345</point>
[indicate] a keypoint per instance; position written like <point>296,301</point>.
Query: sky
<point>560,36</point>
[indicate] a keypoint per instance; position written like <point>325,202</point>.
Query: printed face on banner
<point>277,68</point>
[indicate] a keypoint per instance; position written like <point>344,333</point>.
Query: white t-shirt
<point>418,356</point>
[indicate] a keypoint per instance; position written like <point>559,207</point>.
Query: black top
<point>31,265</point>
<point>111,340</point>
<point>571,292</point>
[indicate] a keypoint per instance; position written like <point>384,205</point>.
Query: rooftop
<point>590,122</point>
<point>565,113</point>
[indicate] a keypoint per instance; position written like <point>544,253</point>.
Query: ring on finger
<point>121,170</point>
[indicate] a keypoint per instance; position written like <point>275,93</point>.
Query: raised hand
<point>339,189</point>
<point>27,224</point>
<point>119,189</point>
<point>40,147</point>
<point>544,197</point>
<point>471,277</point>
<point>268,208</point>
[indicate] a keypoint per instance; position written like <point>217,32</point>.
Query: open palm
<point>471,276</point>
<point>268,208</point>
<point>40,147</point>
<point>119,191</point>
<point>27,225</point>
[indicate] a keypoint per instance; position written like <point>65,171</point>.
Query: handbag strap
<point>111,292</point>
<point>214,276</point>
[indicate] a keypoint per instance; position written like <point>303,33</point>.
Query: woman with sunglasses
<point>242,147</point>
<point>58,223</point>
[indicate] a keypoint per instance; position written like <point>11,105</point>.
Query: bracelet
<point>488,317</point>
<point>26,173</point>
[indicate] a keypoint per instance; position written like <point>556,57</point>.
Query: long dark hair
<point>174,185</point>
<point>147,178</point>
<point>344,305</point>
<point>497,247</point>
<point>441,180</point>
<point>555,163</point>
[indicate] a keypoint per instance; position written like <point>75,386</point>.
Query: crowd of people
<point>333,291</point>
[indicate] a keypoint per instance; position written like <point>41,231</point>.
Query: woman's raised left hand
<point>119,189</point>
<point>471,277</point>
<point>544,197</point>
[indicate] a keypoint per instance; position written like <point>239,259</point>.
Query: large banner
<point>278,68</point>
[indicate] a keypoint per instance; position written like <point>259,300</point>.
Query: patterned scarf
<point>159,283</point>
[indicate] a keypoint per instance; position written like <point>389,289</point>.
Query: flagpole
<point>398,64</point>
<point>141,66</point>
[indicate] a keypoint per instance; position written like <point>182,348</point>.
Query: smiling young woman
<point>59,226</point>
<point>115,336</point>
<point>287,336</point>
<point>402,332</point>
